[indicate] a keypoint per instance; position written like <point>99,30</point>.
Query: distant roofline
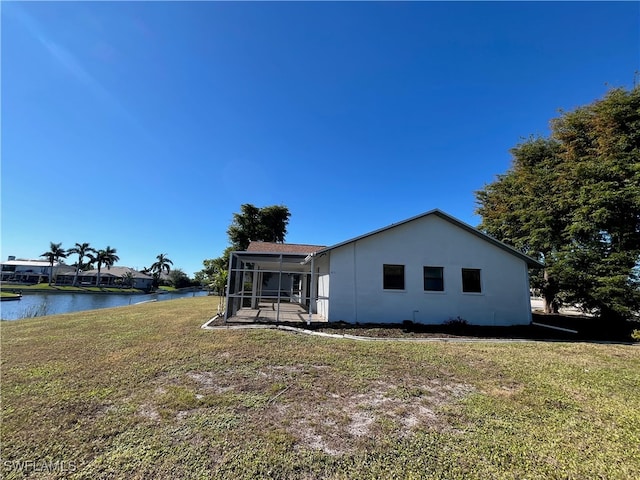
<point>21,261</point>
<point>119,272</point>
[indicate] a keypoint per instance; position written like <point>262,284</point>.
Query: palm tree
<point>106,257</point>
<point>83,250</point>
<point>127,279</point>
<point>55,253</point>
<point>161,263</point>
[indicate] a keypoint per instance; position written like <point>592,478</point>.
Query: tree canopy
<point>162,264</point>
<point>573,201</point>
<point>82,250</point>
<point>107,257</point>
<point>214,272</point>
<point>55,253</point>
<point>178,278</point>
<point>267,224</point>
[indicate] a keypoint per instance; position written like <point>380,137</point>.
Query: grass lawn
<point>9,295</point>
<point>168,288</point>
<point>143,392</point>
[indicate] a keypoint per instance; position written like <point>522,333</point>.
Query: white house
<point>29,271</point>
<point>428,269</point>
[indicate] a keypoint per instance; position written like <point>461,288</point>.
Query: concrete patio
<point>268,312</point>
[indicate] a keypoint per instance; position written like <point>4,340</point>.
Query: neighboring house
<point>428,269</point>
<point>30,271</point>
<point>109,277</point>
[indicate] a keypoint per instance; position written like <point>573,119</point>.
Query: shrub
<point>456,322</point>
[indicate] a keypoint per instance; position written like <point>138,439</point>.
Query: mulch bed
<point>587,328</point>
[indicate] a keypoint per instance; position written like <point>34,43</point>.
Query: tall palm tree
<point>55,253</point>
<point>83,250</point>
<point>106,257</point>
<point>161,263</point>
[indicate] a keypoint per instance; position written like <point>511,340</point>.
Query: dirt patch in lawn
<point>295,401</point>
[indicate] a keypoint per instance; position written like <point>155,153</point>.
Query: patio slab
<point>268,312</point>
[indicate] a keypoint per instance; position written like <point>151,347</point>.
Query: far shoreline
<point>31,289</point>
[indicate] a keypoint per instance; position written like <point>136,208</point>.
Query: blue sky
<point>144,126</point>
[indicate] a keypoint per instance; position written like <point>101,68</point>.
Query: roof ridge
<point>532,262</point>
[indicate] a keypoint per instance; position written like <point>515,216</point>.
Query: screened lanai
<point>272,282</point>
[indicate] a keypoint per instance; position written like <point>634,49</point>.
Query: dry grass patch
<point>295,400</point>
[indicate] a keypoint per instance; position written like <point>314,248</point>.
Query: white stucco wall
<point>357,293</point>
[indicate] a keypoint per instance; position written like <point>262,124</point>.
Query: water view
<point>40,304</point>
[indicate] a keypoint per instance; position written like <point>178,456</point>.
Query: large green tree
<point>519,210</point>
<point>601,154</point>
<point>267,224</point>
<point>573,201</point>
<point>82,250</point>
<point>55,253</point>
<point>179,279</point>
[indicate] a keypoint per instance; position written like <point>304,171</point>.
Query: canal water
<point>40,304</point>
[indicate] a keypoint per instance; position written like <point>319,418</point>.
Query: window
<point>393,277</point>
<point>471,280</point>
<point>433,279</point>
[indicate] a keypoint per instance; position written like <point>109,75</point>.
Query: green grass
<point>168,288</point>
<point>143,392</point>
<point>9,295</point>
